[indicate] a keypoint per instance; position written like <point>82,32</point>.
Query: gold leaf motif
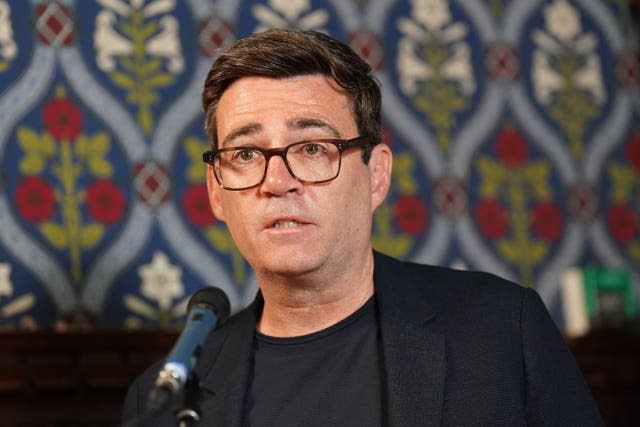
<point>37,148</point>
<point>91,235</point>
<point>194,148</point>
<point>220,238</point>
<point>403,166</point>
<point>493,174</point>
<point>54,234</point>
<point>623,180</point>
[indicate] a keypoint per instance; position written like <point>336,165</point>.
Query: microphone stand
<point>184,403</point>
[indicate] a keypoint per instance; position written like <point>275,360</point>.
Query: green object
<point>599,280</point>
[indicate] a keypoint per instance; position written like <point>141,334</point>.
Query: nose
<point>278,180</point>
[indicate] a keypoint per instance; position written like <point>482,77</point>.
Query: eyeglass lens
<point>311,161</point>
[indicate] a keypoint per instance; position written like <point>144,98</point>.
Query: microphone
<point>207,308</point>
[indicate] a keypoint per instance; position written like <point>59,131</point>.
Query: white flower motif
<point>6,287</point>
<point>109,43</point>
<point>589,78</point>
<point>435,18</point>
<point>21,304</point>
<point>562,20</point>
<point>167,44</point>
<point>118,6</point>
<point>28,323</point>
<point>289,13</point>
<point>132,322</point>
<point>154,7</point>
<point>291,9</point>
<point>161,281</point>
<point>565,32</point>
<point>458,68</point>
<point>546,80</point>
<point>433,14</point>
<point>140,309</point>
<point>158,7</point>
<point>412,69</point>
<point>8,49</point>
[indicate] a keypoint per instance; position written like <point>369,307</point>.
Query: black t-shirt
<point>328,378</point>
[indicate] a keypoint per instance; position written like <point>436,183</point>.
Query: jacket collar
<point>413,348</point>
<point>225,378</point>
<point>413,355</point>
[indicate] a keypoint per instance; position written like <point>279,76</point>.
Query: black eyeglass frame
<point>211,156</point>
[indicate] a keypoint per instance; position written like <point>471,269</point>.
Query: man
<point>340,335</point>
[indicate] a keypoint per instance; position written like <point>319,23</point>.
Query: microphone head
<point>212,298</point>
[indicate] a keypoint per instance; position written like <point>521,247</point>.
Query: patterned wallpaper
<point>514,124</point>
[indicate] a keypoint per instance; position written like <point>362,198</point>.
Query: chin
<point>295,265</point>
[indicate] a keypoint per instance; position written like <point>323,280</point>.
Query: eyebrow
<point>297,123</point>
<point>308,123</point>
<point>248,129</point>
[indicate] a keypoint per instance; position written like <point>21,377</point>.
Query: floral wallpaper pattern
<point>514,125</point>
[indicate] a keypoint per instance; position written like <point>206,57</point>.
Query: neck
<point>304,305</point>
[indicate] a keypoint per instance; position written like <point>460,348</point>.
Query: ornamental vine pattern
<point>434,65</point>
<point>8,48</point>
<point>403,217</point>
<point>289,13</point>
<point>623,216</point>
<point>515,208</point>
<point>14,312</point>
<point>137,45</point>
<point>195,202</point>
<point>514,136</point>
<point>566,72</point>
<point>63,152</point>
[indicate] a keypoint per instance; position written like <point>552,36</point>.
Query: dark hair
<point>281,53</point>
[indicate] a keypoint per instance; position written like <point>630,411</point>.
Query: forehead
<point>261,103</point>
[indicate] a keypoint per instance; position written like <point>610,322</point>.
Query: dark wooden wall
<point>80,378</point>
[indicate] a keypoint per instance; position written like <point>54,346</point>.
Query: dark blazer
<point>459,349</point>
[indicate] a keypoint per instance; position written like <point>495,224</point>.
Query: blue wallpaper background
<point>514,124</point>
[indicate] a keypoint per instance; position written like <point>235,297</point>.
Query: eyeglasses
<point>316,161</point>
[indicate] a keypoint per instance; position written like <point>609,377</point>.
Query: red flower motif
<point>196,204</point>
<point>411,215</point>
<point>633,152</point>
<point>511,148</point>
<point>63,119</point>
<point>547,221</point>
<point>491,216</point>
<point>35,199</point>
<point>623,223</point>
<point>105,201</point>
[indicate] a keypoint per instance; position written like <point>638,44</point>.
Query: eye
<point>313,149</point>
<point>245,155</point>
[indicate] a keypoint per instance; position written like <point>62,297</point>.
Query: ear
<point>380,166</point>
<point>213,189</point>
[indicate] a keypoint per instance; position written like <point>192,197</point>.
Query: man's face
<point>285,227</point>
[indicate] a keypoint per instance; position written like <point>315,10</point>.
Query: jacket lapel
<point>413,350</point>
<point>225,377</point>
<point>413,356</point>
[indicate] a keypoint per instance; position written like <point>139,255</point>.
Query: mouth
<point>285,224</point>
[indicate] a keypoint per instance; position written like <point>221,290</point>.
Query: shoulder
<point>446,284</point>
<point>462,301</point>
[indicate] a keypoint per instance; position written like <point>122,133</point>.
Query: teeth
<point>286,224</point>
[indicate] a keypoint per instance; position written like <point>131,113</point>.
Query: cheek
<point>355,214</point>
<point>238,225</point>
<point>235,211</point>
<point>235,214</point>
<point>214,195</point>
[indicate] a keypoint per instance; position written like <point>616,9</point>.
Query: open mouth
<point>286,224</point>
